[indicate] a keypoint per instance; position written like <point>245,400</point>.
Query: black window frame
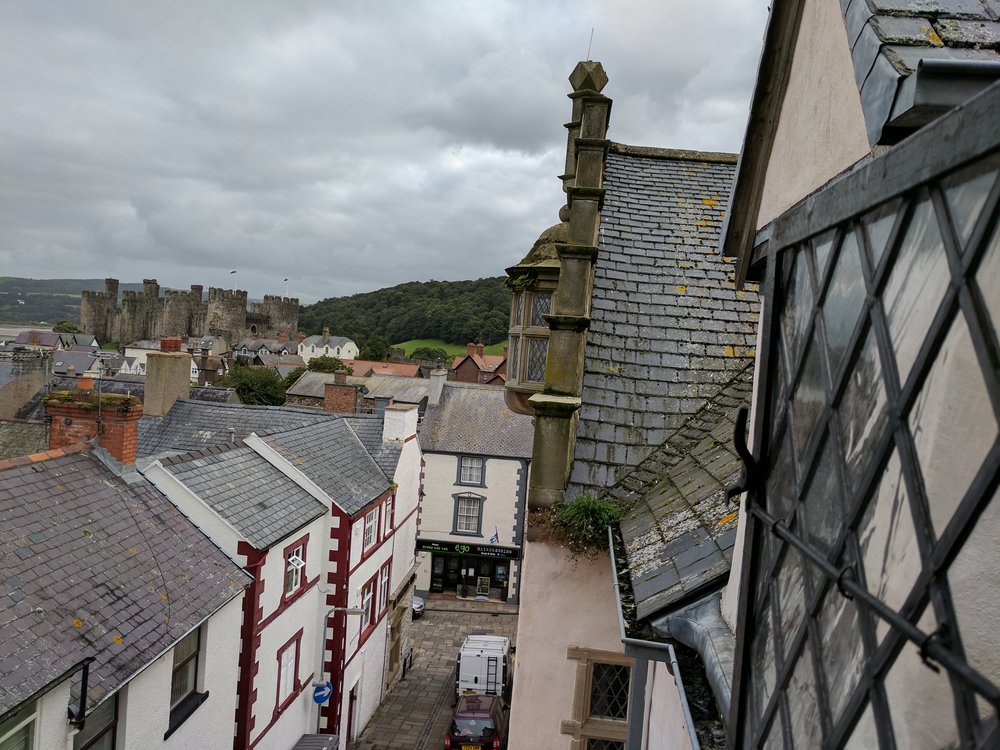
<point>780,529</point>
<point>187,705</point>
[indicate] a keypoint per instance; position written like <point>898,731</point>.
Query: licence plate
<point>471,747</point>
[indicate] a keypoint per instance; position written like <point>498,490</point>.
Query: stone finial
<point>588,75</point>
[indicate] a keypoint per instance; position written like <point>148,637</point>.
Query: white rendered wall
<point>52,729</point>
<point>146,713</point>
<point>364,673</point>
<point>552,586</point>
<point>305,613</point>
<point>407,479</point>
<point>821,128</point>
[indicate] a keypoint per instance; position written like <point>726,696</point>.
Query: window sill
<point>467,533</point>
<point>181,714</point>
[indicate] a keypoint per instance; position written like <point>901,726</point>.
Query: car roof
<point>474,705</point>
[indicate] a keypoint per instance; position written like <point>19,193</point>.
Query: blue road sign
<point>322,693</point>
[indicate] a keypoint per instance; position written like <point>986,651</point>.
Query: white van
<point>484,666</point>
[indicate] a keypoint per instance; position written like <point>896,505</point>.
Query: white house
<point>476,457</point>
<point>111,582</point>
<point>326,345</point>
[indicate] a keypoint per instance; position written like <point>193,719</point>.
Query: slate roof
<point>134,385</point>
<point>400,388</point>
<point>680,531</point>
<point>333,456</point>
<point>368,428</point>
<point>192,425</point>
<point>473,418</point>
<point>21,438</point>
<point>668,326</point>
<point>889,37</point>
<point>80,361</point>
<point>40,338</point>
<point>319,340</point>
<point>93,566</point>
<point>272,345</point>
<point>311,384</point>
<point>257,499</point>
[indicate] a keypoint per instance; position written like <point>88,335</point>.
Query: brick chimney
<point>170,344</point>
<point>113,419</point>
<point>302,337</point>
<point>168,378</point>
<point>282,337</point>
<point>470,349</point>
<point>340,398</point>
<point>480,349</point>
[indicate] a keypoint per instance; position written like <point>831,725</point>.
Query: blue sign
<point>322,693</point>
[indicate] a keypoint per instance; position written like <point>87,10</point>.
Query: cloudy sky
<point>347,146</point>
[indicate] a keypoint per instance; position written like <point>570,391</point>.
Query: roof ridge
<point>208,450</point>
<point>655,152</point>
<point>34,458</point>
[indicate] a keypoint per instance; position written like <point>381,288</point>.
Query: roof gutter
<point>643,652</point>
<point>85,662</point>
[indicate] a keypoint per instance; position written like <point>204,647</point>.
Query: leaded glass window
<point>879,446</point>
<point>609,691</point>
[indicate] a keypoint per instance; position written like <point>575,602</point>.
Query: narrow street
<point>415,715</point>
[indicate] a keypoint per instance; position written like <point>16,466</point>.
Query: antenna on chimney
<point>591,43</point>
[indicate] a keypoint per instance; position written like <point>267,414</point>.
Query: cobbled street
<point>415,715</point>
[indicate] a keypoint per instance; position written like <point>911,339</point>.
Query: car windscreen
<point>466,727</point>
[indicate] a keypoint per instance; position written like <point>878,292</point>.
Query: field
<point>452,349</point>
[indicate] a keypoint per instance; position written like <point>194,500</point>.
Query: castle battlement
<point>147,315</point>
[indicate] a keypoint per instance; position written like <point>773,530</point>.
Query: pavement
<point>416,713</point>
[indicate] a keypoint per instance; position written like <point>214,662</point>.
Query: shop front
<point>479,571</point>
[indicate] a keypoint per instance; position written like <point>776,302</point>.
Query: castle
<point>147,315</point>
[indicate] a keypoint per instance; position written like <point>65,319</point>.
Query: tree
<point>294,375</point>
<point>376,349</point>
<point>327,364</point>
<point>256,385</point>
<point>429,354</point>
<point>65,326</point>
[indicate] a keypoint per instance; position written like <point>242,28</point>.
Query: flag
<point>495,539</point>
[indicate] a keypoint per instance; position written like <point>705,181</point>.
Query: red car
<point>479,723</point>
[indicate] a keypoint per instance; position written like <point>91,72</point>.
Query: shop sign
<point>461,548</point>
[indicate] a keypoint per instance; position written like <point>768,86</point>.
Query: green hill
<point>456,312</point>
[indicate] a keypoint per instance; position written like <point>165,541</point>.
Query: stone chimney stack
<point>326,334</point>
<point>436,385</point>
<point>399,423</point>
<point>112,419</point>
<point>168,378</point>
<point>302,337</point>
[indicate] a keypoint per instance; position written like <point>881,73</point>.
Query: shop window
<point>471,470</point>
<point>468,516</point>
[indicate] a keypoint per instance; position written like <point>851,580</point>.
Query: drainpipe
<point>80,719</point>
<point>638,649</point>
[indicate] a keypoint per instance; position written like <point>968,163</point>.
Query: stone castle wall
<point>147,315</point>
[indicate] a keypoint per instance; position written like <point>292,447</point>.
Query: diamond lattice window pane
<point>517,308</point>
<point>537,350</point>
<point>540,304</point>
<point>916,285</point>
<point>609,691</point>
<point>844,299</point>
<point>605,745</point>
<point>920,700</point>
<point>791,599</point>
<point>888,540</point>
<point>781,484</point>
<point>842,653</point>
<point>514,357</point>
<point>966,193</point>
<point>974,572</point>
<point>822,246</point>
<point>878,225</point>
<point>809,400</point>
<point>862,414</point>
<point>763,667</point>
<point>798,307</point>
<point>864,736</point>
<point>775,739</point>
<point>823,512</point>
<point>802,706</point>
<point>952,423</point>
<point>988,280</point>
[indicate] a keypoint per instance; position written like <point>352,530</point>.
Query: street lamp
<point>322,650</point>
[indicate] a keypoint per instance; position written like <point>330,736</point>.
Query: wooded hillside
<point>455,311</point>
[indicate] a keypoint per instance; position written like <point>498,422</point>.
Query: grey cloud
<point>347,146</point>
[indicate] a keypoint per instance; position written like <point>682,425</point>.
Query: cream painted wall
<point>665,726</point>
<point>553,585</point>
<point>821,128</point>
<point>52,730</point>
<point>407,479</point>
<point>438,508</point>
